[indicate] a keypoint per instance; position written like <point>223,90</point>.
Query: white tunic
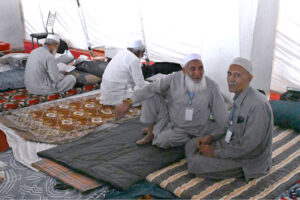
<point>121,77</point>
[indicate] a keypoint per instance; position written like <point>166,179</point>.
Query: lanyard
<point>46,48</point>
<point>191,96</point>
<point>232,114</point>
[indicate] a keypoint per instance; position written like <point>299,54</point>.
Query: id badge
<point>189,114</point>
<point>228,136</point>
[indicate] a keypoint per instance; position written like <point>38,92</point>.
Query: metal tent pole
<point>84,28</point>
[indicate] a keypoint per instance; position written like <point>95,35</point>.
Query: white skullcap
<point>190,57</point>
<point>246,64</point>
<point>53,37</point>
<point>136,44</point>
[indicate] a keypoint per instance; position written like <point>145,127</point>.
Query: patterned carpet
<point>20,98</point>
<point>292,193</point>
<point>61,122</point>
<point>23,183</point>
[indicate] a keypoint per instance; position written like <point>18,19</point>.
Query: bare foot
<point>145,131</point>
<point>148,138</point>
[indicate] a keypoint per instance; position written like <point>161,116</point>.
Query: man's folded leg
<point>66,83</point>
<point>154,110</point>
<point>170,138</point>
<point>209,167</point>
<point>154,113</point>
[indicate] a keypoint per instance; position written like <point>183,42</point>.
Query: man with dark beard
<point>244,147</point>
<point>178,107</point>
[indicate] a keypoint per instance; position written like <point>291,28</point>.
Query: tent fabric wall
<point>221,39</point>
<point>112,23</point>
<point>11,22</point>
<point>108,23</point>
<point>247,18</point>
<point>171,32</point>
<point>263,44</point>
<point>286,65</point>
<point>67,23</point>
<point>219,30</point>
<point>33,22</point>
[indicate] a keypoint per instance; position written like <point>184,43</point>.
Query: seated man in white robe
<point>244,147</point>
<point>42,75</point>
<point>123,75</point>
<point>178,107</point>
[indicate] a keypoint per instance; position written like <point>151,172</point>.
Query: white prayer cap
<point>136,44</point>
<point>190,57</point>
<point>53,37</point>
<point>246,64</point>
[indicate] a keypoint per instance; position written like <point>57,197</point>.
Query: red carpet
<point>3,143</point>
<point>76,52</point>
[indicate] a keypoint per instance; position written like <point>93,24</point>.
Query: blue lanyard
<point>191,96</point>
<point>46,47</point>
<point>232,114</point>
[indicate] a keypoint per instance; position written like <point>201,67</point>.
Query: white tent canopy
<point>286,64</point>
<point>219,30</point>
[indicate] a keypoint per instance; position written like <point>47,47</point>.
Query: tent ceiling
<point>219,30</point>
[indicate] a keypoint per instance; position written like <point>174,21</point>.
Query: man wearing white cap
<point>244,147</point>
<point>190,99</point>
<point>123,75</point>
<point>41,73</point>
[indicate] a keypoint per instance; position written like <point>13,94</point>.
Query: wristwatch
<point>128,100</point>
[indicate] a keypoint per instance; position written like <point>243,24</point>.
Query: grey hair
<point>50,41</point>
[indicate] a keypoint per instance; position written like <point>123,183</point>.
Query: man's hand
<point>204,140</point>
<point>121,109</point>
<point>64,72</point>
<point>206,150</point>
<point>71,63</point>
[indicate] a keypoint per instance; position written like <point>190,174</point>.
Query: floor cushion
<point>286,114</point>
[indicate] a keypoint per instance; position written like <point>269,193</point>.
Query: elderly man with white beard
<point>178,107</point>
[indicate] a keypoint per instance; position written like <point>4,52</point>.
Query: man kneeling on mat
<point>177,108</point>
<point>244,148</point>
